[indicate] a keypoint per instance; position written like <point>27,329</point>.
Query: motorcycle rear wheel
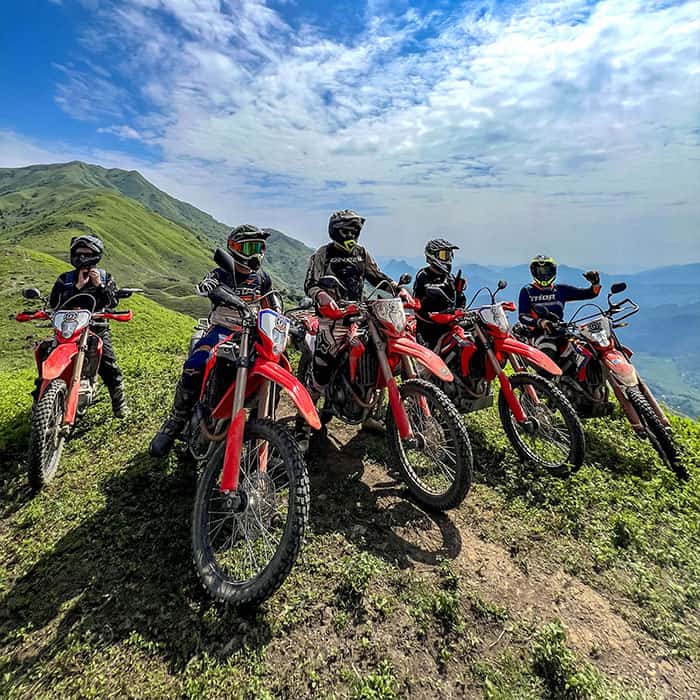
<point>659,435</point>
<point>46,438</point>
<point>562,442</point>
<point>243,554</point>
<point>438,467</point>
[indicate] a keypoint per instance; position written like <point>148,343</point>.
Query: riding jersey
<point>105,296</point>
<point>248,286</point>
<point>352,269</point>
<point>553,299</point>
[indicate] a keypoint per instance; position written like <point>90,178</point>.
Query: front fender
<point>58,361</point>
<point>621,369</point>
<point>296,390</point>
<point>406,346</point>
<point>536,357</point>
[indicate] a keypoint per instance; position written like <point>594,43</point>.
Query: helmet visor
<point>445,255</point>
<point>247,248</point>
<point>544,272</point>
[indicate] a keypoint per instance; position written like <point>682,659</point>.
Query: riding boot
<point>119,406</point>
<point>174,424</point>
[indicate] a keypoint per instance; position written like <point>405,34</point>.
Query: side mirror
<point>618,287</point>
<point>502,284</point>
<point>405,279</point>
<point>31,293</point>
<point>306,303</point>
<point>225,260</point>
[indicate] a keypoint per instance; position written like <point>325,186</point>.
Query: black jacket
<point>104,296</point>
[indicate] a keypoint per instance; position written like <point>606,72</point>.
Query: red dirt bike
<point>252,502</point>
<point>68,379</point>
<point>594,361</point>
<point>426,434</point>
<point>539,421</point>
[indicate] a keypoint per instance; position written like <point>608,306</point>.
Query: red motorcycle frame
<point>252,502</point>
<point>595,361</point>
<point>477,347</point>
<point>64,394</point>
<point>375,349</point>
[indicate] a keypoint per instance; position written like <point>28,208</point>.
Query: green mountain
<point>61,179</point>
<point>152,239</point>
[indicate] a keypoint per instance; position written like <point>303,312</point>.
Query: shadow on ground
<point>127,569</point>
<point>354,494</point>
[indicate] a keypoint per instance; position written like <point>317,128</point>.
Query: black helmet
<point>247,245</point>
<point>543,270</point>
<point>439,254</point>
<point>91,243</point>
<point>344,228</point>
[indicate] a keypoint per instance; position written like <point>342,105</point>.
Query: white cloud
<point>553,125</point>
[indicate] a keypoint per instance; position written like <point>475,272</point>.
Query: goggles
<point>445,255</point>
<point>248,248</point>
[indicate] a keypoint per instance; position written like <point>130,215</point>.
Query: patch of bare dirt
<point>404,534</point>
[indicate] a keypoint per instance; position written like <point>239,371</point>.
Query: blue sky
<point>562,126</point>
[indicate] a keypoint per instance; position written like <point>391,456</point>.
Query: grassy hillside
<point>63,179</point>
<point>171,240</point>
<point>142,248</point>
<point>535,588</point>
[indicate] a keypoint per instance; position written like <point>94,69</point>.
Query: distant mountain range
<point>666,331</point>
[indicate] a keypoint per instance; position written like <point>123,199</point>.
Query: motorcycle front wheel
<point>436,462</point>
<point>552,436</point>
<point>659,435</point>
<point>245,543</point>
<point>46,435</point>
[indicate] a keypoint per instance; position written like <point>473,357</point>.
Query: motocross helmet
<point>543,270</point>
<point>344,228</point>
<point>246,243</point>
<point>439,254</point>
<point>85,251</point>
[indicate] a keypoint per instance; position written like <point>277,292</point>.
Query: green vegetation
<point>535,588</point>
<point>152,239</point>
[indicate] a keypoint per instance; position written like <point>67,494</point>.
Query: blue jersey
<point>553,299</point>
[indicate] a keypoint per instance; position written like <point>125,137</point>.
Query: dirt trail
<point>595,630</point>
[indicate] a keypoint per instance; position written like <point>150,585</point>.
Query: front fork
<point>74,388</point>
<point>234,439</point>
<point>511,399</point>
<point>397,408</point>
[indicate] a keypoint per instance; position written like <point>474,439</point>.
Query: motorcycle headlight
<point>68,328</point>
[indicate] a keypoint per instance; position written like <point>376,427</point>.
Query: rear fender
<point>296,390</point>
<point>621,370</point>
<point>536,357</point>
<point>58,361</point>
<point>406,346</point>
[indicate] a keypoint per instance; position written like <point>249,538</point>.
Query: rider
<point>351,264</point>
<point>86,278</point>
<point>552,297</point>
<point>437,288</point>
<point>247,245</point>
